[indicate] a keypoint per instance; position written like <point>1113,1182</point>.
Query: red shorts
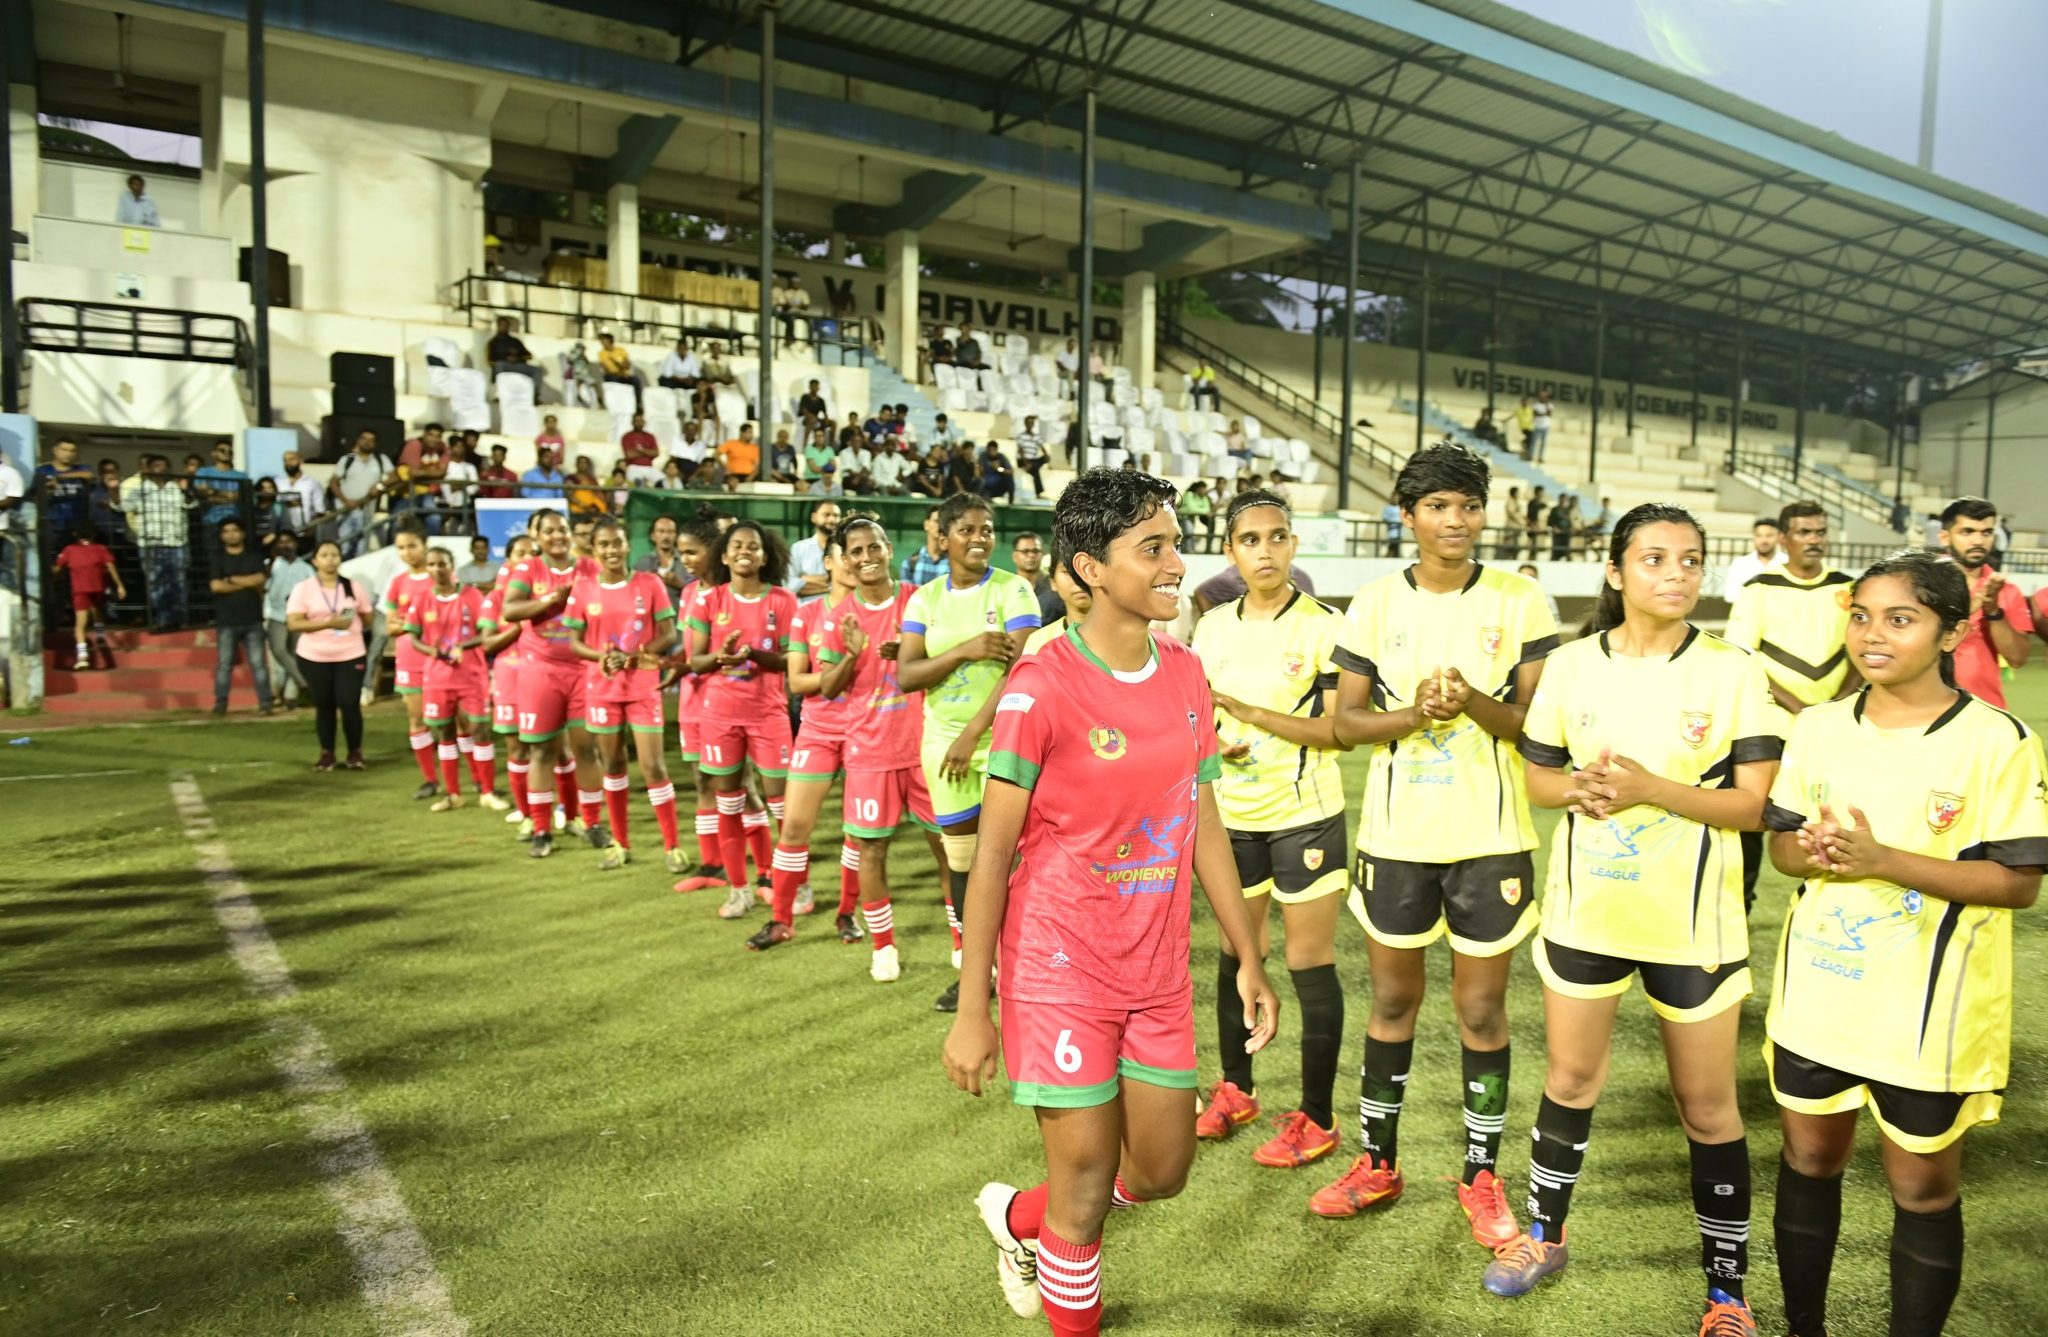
<point>816,758</point>
<point>550,698</point>
<point>412,666</point>
<point>505,695</point>
<point>87,603</point>
<point>641,716</point>
<point>443,697</point>
<point>728,745</point>
<point>875,801</point>
<point>1068,1056</point>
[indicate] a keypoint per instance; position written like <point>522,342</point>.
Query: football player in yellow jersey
<point>1660,743</point>
<point>1437,664</point>
<point>1793,615</point>
<point>1268,656</point>
<point>1914,816</point>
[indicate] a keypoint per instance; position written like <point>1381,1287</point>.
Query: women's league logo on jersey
<point>1489,641</point>
<point>1292,664</point>
<point>1943,810</point>
<point>1106,741</point>
<point>1693,726</point>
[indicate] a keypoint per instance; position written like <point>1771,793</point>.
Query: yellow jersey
<point>1453,791</point>
<point>1887,982</point>
<point>1045,635</point>
<point>1798,626</point>
<point>1646,884</point>
<point>1285,666</point>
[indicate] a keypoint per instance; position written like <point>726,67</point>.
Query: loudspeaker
<point>361,369</point>
<point>279,269</point>
<point>366,401</point>
<point>338,432</point>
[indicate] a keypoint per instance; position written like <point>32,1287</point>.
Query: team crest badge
<point>430,615</point>
<point>1511,890</point>
<point>1943,810</point>
<point>1106,741</point>
<point>1312,859</point>
<point>724,616</point>
<point>1843,598</point>
<point>1123,849</point>
<point>1693,726</point>
<point>593,609</point>
<point>1489,641</point>
<point>1292,664</point>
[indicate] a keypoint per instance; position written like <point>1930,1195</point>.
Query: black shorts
<point>1302,864</point>
<point>1920,1121</point>
<point>1485,906</point>
<point>1677,993</point>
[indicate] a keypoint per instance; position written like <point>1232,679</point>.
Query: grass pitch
<point>607,1117</point>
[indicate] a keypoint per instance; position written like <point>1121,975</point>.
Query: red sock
<point>792,866</point>
<point>1070,1283</point>
<point>881,923</point>
<point>758,844</point>
<point>1027,1212</point>
<point>952,915</point>
<point>849,876</point>
<point>540,806</point>
<point>515,780</point>
<point>590,805</point>
<point>662,798</point>
<point>451,768</point>
<point>617,791</point>
<point>1121,1198</point>
<point>732,838</point>
<point>423,753</point>
<point>708,852</point>
<point>483,764</point>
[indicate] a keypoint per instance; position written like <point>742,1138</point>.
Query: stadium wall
<point>1952,438</point>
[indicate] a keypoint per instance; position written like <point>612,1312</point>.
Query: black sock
<point>1559,1149</point>
<point>1486,1108</point>
<point>1231,1034</point>
<point>1321,996</point>
<point>1720,1199</point>
<point>1804,1227</point>
<point>1927,1268</point>
<point>1380,1088</point>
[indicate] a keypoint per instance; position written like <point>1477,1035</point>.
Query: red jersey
<point>444,622</point>
<point>824,717</point>
<point>689,686</point>
<point>1976,657</point>
<point>747,691</point>
<point>492,619</point>
<point>1098,908</point>
<point>87,563</point>
<point>406,589</point>
<point>884,726</point>
<point>627,616</point>
<point>544,637</point>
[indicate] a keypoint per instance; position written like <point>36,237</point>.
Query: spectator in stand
<point>811,410</point>
<point>888,470</point>
<point>939,352</point>
<point>852,432</point>
<point>789,302</point>
<point>675,475</point>
<point>690,449</point>
<point>784,464</point>
<point>1073,441</point>
<point>680,370</point>
<point>640,452</point>
<point>963,474</point>
<point>1532,522</point>
<point>1763,555</point>
<point>854,475</point>
<point>551,435</point>
<point>1539,427</point>
<point>102,504</point>
<point>930,478</point>
<point>1563,521</point>
<point>155,506</point>
<point>423,463</point>
<point>620,489</point>
<point>267,510</point>
<point>1067,361</point>
<point>579,377</point>
<point>1031,456</point>
<point>1525,423</point>
<point>967,349</point>
<point>1201,385</point>
<point>328,613</point>
<point>806,577</point>
<point>944,433</point>
<point>459,485</point>
<point>1098,371</point>
<point>1027,558</point>
<point>286,570</point>
<point>496,480</point>
<point>740,458</point>
<point>1531,572</point>
<point>928,563</point>
<point>900,423</point>
<point>1510,545</point>
<point>543,482</point>
<point>997,482</point>
<point>1235,442</point>
<point>1196,509</point>
<point>712,374</point>
<point>881,428</point>
<point>305,497</point>
<point>1598,528</point>
<point>506,353</point>
<point>615,364</point>
<point>665,562</point>
<point>1930,531</point>
<point>63,491</point>
<point>237,584</point>
<point>136,208</point>
<point>479,571</point>
<point>1390,529</point>
<point>354,487</point>
<point>586,493</point>
<point>1485,430</point>
<point>818,452</point>
<point>13,491</point>
<point>89,564</point>
<point>218,485</point>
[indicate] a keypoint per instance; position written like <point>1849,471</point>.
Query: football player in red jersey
<point>551,681</point>
<point>1105,750</point>
<point>446,630</point>
<point>395,601</point>
<point>500,634</point>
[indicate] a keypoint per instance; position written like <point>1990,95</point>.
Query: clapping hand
<point>1851,852</point>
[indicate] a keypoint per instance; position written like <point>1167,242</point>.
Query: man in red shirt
<point>90,564</point>
<point>641,454</point>
<point>2001,628</point>
<point>497,480</point>
<point>423,462</point>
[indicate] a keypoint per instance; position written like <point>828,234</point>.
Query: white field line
<point>404,1291</point>
<point>126,770</point>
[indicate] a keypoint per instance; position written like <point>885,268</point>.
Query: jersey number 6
<point>1066,1056</point>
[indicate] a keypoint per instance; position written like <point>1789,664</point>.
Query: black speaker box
<point>279,270</point>
<point>353,399</point>
<point>361,369</point>
<point>338,432</point>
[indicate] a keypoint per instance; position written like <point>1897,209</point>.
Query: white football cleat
<point>885,967</point>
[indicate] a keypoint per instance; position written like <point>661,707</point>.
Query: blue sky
<point>1855,67</point>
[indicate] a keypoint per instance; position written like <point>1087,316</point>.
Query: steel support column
<point>1083,383</point>
<point>1634,344</point>
<point>1346,358</point>
<point>1599,391</point>
<point>1694,360</point>
<point>10,334</point>
<point>1799,419</point>
<point>1895,440</point>
<point>1493,350</point>
<point>1735,406</point>
<point>1422,342</point>
<point>259,217</point>
<point>1317,330</point>
<point>1990,435</point>
<point>765,433</point>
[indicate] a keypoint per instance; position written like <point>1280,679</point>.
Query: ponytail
<point>1608,609</point>
<point>1938,584</point>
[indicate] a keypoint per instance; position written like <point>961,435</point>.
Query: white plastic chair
<point>514,391</point>
<point>616,398</point>
<point>468,400</point>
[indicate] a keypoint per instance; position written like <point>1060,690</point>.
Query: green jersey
<point>945,617</point>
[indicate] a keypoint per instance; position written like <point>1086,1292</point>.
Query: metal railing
<point>1773,473</point>
<point>60,325</point>
<point>635,315</point>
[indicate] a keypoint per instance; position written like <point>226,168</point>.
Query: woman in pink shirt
<point>328,613</point>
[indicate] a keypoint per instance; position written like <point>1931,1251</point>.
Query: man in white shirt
<point>458,484</point>
<point>1764,555</point>
<point>356,484</point>
<point>1067,361</point>
<point>680,370</point>
<point>136,209</point>
<point>887,470</point>
<point>688,448</point>
<point>304,496</point>
<point>807,576</point>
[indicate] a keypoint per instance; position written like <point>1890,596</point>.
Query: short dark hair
<point>1799,510</point>
<point>1967,508</point>
<point>1441,468</point>
<point>962,503</point>
<point>408,524</point>
<point>1100,506</point>
<point>1763,520</point>
<point>1016,539</point>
